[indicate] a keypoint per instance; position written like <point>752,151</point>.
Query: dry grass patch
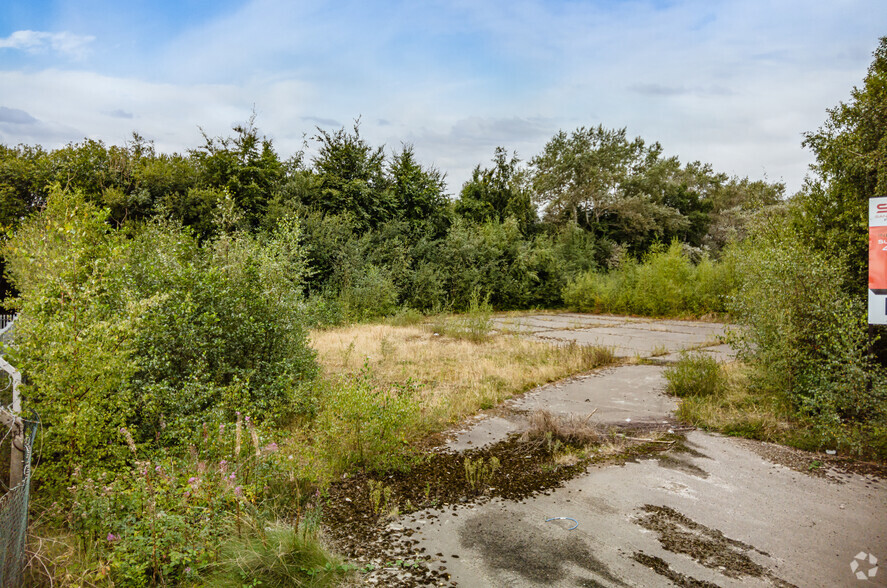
<point>570,429</point>
<point>456,377</point>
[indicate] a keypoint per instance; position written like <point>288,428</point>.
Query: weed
<point>659,351</point>
<point>479,473</point>
<point>475,325</point>
<point>380,497</point>
<point>367,424</point>
<point>406,317</point>
<point>696,374</point>
<point>570,430</point>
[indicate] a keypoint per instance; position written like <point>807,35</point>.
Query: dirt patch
<point>831,467</point>
<point>709,547</point>
<point>360,507</point>
<point>661,567</point>
<point>508,543</point>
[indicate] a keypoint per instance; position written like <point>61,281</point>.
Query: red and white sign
<point>878,261</point>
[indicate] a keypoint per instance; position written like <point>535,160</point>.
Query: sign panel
<point>878,261</point>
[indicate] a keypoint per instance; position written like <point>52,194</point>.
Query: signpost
<point>878,261</point>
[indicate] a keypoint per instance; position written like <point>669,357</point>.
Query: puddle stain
<point>673,463</point>
<point>508,543</point>
<point>708,547</point>
<point>686,446</point>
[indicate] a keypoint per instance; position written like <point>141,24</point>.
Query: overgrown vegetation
<point>813,377</point>
<point>666,282</point>
<point>380,231</point>
<point>450,378</point>
<point>165,302</point>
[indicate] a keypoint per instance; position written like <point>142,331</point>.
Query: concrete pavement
<point>714,511</point>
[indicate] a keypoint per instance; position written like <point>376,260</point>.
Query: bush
<point>696,374</point>
<point>805,335</point>
<point>365,425</point>
<point>151,333</point>
<point>665,283</point>
<point>371,295</point>
<point>322,310</point>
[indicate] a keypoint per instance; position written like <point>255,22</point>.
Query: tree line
<point>380,228</point>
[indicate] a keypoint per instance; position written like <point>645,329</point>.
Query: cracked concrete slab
<point>709,512</point>
<point>631,392</point>
<point>797,529</point>
<point>615,394</point>
<point>626,336</point>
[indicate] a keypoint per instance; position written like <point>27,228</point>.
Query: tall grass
<point>279,555</point>
<point>474,325</point>
<point>452,377</point>
<point>666,283</point>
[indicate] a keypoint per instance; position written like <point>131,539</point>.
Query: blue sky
<point>730,83</point>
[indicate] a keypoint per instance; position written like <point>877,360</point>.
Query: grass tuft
<point>566,429</point>
<point>279,555</point>
<point>696,374</point>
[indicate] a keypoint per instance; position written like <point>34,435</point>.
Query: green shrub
<point>322,310</point>
<point>406,317</point>
<point>665,283</point>
<point>695,374</point>
<point>151,333</point>
<point>805,335</point>
<point>371,295</point>
<point>365,425</point>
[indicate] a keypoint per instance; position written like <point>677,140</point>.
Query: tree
<point>245,164</point>
<point>850,168</point>
<point>418,194</point>
<point>24,176</point>
<point>351,179</point>
<point>582,172</point>
<point>497,193</point>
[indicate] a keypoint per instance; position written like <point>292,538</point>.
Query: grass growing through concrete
<point>720,397</point>
<point>717,397</point>
<point>453,377</point>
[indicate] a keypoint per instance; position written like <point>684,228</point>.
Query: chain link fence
<point>14,519</point>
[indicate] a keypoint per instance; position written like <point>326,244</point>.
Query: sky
<point>734,84</point>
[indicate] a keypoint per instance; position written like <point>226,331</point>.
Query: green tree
<point>497,193</point>
<point>25,174</point>
<point>581,172</point>
<point>850,168</point>
<point>351,179</point>
<point>418,193</point>
<point>246,165</point>
<point>76,331</point>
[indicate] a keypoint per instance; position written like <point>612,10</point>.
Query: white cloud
<point>732,84</point>
<point>66,43</point>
